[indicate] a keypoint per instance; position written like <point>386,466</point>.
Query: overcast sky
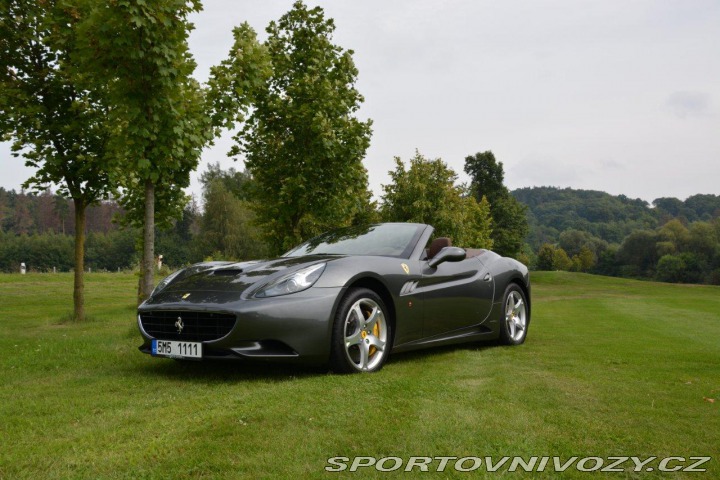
<point>620,96</point>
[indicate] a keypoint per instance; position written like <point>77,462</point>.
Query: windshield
<point>387,239</point>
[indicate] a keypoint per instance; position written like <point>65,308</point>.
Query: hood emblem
<point>179,325</point>
<point>405,268</point>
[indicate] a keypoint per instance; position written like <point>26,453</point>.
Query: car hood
<point>226,282</point>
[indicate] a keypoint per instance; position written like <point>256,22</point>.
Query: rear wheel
<point>361,333</point>
<point>515,319</point>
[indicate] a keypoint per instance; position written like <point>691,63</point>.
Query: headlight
<point>294,282</point>
<point>164,283</point>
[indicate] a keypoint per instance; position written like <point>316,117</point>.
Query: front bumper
<point>295,328</point>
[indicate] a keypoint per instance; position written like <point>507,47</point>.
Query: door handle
<point>487,277</point>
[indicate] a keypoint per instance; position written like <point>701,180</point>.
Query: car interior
<point>441,242</point>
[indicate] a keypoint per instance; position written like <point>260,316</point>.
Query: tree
<point>509,216</point>
<point>239,183</point>
<point>671,268</point>
<point>607,261</point>
<point>703,240</point>
<point>227,226</point>
<point>22,220</point>
<point>639,251</point>
<point>510,225</point>
<point>62,210</point>
<point>486,175</point>
<point>705,206</point>
<point>426,193</point>
<point>303,144</point>
<point>477,222</point>
<point>527,256</point>
<point>3,208</point>
<point>673,207</point>
<point>685,267</point>
<point>56,122</point>
<point>713,278</point>
<point>665,248</point>
<point>572,241</point>
<point>545,257</point>
<point>586,259</point>
<point>46,214</point>
<point>235,83</point>
<point>561,261</point>
<point>140,50</point>
<point>676,233</point>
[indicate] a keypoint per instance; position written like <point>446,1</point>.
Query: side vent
<point>408,288</point>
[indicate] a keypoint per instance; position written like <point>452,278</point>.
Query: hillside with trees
<point>552,211</point>
<point>583,230</point>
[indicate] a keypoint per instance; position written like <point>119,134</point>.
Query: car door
<point>454,295</point>
<point>408,306</point>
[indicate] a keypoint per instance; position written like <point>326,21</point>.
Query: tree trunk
<point>79,286</point>
<point>147,282</point>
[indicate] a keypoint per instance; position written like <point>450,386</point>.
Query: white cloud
<point>563,92</point>
<point>689,104</point>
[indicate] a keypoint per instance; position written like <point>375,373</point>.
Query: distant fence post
<point>23,268</point>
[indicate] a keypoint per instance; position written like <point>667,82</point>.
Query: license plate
<point>176,349</point>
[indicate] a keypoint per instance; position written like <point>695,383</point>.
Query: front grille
<point>197,326</point>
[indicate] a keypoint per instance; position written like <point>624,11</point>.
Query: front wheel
<point>361,333</point>
<point>515,319</point>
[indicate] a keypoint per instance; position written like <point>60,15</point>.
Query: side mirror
<point>447,254</point>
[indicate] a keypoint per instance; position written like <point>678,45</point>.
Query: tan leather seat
<point>437,245</point>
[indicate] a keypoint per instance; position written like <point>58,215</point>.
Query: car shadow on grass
<point>436,352</point>
<point>222,371</point>
<point>219,371</point>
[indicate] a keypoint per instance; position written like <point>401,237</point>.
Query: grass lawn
<point>611,367</point>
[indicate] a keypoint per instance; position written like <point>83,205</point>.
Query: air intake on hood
<point>229,272</point>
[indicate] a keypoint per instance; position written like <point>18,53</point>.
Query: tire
<point>360,344</point>
<point>514,319</point>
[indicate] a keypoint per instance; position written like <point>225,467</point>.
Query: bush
<point>38,252</point>
<point>545,257</point>
<point>671,268</point>
<point>43,252</point>
<point>561,261</point>
<point>111,251</point>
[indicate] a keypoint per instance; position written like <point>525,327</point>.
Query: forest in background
<point>579,230</point>
<point>38,230</point>
<point>591,231</point>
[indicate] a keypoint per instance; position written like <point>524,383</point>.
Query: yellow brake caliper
<point>376,332</point>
